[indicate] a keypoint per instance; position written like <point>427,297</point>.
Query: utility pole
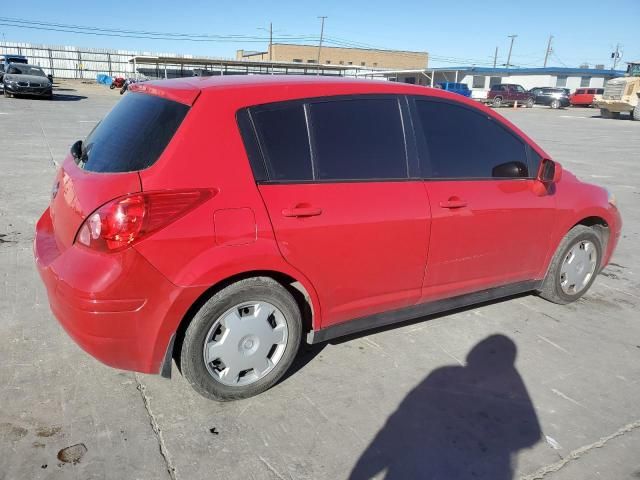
<point>322,18</point>
<point>616,56</point>
<point>270,38</point>
<point>546,55</point>
<point>512,37</point>
<point>495,58</point>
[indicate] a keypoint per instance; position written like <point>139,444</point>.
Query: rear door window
<point>133,135</point>
<point>463,143</point>
<point>358,139</point>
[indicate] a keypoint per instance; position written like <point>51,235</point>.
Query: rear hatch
<point>130,138</point>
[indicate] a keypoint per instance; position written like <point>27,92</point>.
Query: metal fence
<point>73,62</point>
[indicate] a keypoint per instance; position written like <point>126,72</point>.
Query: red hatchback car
<point>238,217</point>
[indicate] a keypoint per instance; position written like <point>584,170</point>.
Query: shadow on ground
<point>461,422</point>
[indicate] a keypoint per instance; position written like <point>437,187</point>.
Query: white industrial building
<point>481,79</point>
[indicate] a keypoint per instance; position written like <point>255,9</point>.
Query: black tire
<point>497,102</point>
<point>191,356</point>
<point>123,89</point>
<point>112,86</point>
<point>635,115</point>
<point>529,103</point>
<point>551,289</point>
<point>604,113</point>
<point>6,94</point>
<point>555,104</point>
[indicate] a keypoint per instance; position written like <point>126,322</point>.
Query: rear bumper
<point>116,307</point>
<point>614,106</point>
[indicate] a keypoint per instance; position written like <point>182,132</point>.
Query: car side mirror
<point>549,172</point>
<point>76,150</point>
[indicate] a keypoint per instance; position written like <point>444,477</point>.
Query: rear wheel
<point>497,102</point>
<point>574,266</point>
<point>604,113</point>
<point>529,103</point>
<point>242,340</point>
<point>555,103</point>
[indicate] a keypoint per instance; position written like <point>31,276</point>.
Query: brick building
<point>358,57</point>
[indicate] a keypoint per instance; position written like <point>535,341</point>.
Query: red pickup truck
<point>508,94</point>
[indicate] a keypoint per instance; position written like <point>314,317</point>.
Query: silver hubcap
<point>578,267</point>
<point>245,343</point>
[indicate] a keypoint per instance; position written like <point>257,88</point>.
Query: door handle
<point>302,212</point>
<point>453,202</point>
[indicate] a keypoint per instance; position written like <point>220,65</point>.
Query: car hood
<point>26,78</point>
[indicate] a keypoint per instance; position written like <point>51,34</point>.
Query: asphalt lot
<point>568,408</point>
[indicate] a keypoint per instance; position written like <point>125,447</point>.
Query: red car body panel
<point>377,246</point>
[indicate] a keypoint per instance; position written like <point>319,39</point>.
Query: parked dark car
<point>508,94</point>
<point>552,97</point>
<point>459,88</point>
<point>24,79</point>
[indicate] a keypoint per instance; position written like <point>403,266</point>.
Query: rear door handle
<point>302,212</point>
<point>453,203</point>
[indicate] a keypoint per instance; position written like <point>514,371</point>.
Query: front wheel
<point>242,340</point>
<point>529,103</point>
<point>635,115</point>
<point>574,266</point>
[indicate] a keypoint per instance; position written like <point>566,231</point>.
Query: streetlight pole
<point>512,37</point>
<point>270,39</point>
<point>495,58</point>
<point>546,55</point>
<point>322,18</point>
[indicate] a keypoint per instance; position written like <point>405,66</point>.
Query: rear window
<point>133,135</point>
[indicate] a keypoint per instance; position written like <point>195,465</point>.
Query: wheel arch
<point>304,296</point>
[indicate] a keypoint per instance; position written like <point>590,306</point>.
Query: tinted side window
<point>133,135</point>
<point>282,131</point>
<point>464,143</point>
<point>358,139</point>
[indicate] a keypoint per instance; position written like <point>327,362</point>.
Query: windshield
<point>26,70</point>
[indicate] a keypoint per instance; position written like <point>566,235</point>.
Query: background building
<point>357,57</point>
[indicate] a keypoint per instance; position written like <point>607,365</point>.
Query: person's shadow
<point>459,423</point>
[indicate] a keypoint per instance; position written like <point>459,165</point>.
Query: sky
<point>463,32</point>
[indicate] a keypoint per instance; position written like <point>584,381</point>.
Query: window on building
<point>349,63</point>
<point>479,81</point>
<point>358,139</point>
<point>585,81</point>
<point>328,62</point>
<point>487,146</point>
<point>282,132</point>
<point>411,80</point>
<point>375,64</point>
<point>311,61</point>
<point>297,60</point>
<point>494,81</point>
<point>561,81</point>
<point>341,62</point>
<point>363,63</point>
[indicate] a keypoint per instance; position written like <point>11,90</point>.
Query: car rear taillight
<point>127,220</point>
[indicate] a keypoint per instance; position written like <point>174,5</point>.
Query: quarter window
<point>464,143</point>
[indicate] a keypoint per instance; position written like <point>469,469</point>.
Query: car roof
<point>280,87</point>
